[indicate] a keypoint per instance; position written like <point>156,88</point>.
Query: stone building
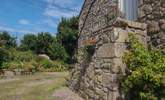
<point>103,36</point>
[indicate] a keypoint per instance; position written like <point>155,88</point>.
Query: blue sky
<point>32,16</point>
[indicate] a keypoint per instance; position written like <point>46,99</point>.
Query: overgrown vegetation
<point>147,69</point>
<point>58,50</point>
<point>68,35</point>
<point>88,52</point>
<point>3,56</point>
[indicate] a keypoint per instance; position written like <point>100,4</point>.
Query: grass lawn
<point>40,86</point>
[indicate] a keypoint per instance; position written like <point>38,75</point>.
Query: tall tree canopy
<point>62,46</point>
<point>7,40</point>
<point>68,35</point>
<point>57,51</point>
<point>44,41</point>
<point>38,43</point>
<point>29,42</point>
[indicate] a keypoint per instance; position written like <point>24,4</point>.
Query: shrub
<point>12,65</point>
<point>52,66</point>
<point>30,66</point>
<point>57,51</point>
<point>89,51</point>
<point>147,69</point>
<point>60,66</point>
<point>47,63</point>
<point>21,56</point>
<point>4,56</point>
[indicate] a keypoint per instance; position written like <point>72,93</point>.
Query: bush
<point>21,56</point>
<point>60,66</point>
<point>52,66</point>
<point>30,66</point>
<point>12,65</point>
<point>57,51</point>
<point>47,63</point>
<point>4,56</point>
<point>147,69</point>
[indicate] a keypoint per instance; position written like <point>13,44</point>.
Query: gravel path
<point>66,94</point>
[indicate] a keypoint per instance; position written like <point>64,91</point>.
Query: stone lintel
<point>132,24</point>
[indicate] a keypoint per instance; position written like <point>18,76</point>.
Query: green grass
<point>34,87</point>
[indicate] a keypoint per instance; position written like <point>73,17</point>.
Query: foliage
<point>17,59</point>
<point>60,48</point>
<point>44,41</point>
<point>89,50</point>
<point>30,66</point>
<point>68,35</point>
<point>6,40</point>
<point>12,65</point>
<point>27,60</point>
<point>48,65</point>
<point>3,56</point>
<point>29,42</point>
<point>147,69</point>
<point>57,51</point>
<point>21,56</point>
<point>39,44</point>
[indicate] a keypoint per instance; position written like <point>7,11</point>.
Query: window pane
<point>129,9</point>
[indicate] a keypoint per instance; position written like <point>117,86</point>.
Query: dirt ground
<point>41,86</point>
<point>66,94</point>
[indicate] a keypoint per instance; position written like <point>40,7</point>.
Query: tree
<point>68,35</point>
<point>29,42</point>
<point>57,51</point>
<point>44,41</point>
<point>3,56</point>
<point>7,40</point>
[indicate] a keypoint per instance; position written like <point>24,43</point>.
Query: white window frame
<point>129,9</point>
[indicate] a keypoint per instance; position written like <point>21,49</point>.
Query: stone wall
<point>152,12</point>
<point>97,78</point>
<point>96,15</point>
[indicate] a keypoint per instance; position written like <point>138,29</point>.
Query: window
<point>129,9</point>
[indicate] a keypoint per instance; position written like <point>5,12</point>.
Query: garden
<point>36,67</point>
<point>43,52</point>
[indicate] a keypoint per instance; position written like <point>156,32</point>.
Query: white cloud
<point>61,8</point>
<point>4,28</point>
<point>50,23</point>
<point>24,22</point>
<point>58,13</point>
<point>60,2</point>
